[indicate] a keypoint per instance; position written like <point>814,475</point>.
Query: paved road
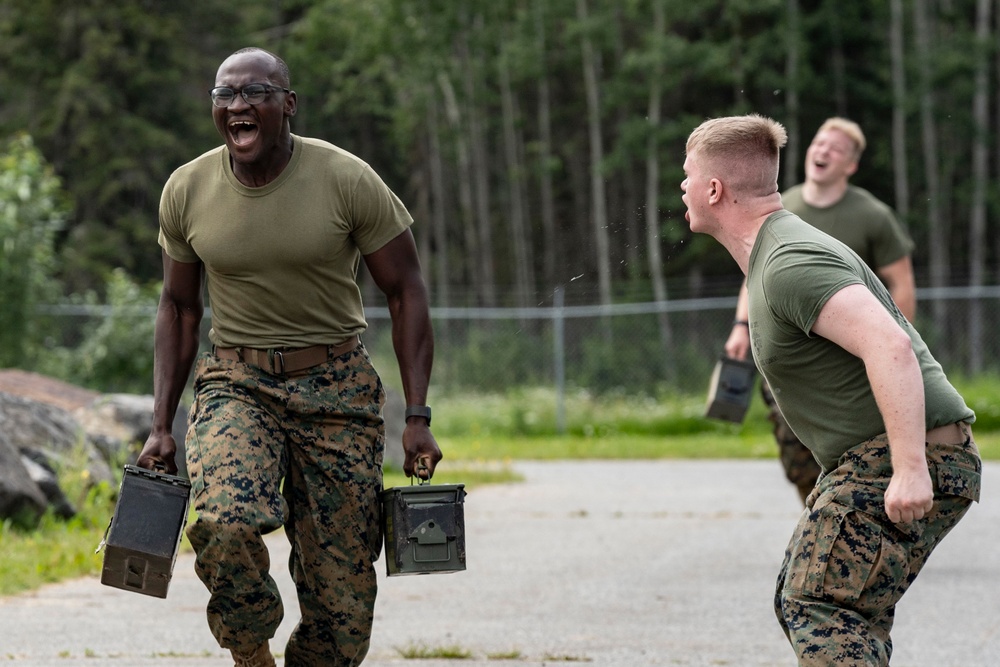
<point>606,563</point>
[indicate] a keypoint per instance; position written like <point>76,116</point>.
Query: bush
<point>115,352</point>
<point>33,208</point>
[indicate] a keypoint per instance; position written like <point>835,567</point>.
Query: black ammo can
<point>145,532</point>
<point>424,528</point>
<point>730,389</point>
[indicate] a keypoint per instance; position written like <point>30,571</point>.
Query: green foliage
<point>33,208</point>
<point>116,94</point>
<point>115,353</point>
<point>982,394</point>
<point>58,549</point>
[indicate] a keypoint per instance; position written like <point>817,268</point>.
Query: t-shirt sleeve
<point>172,237</point>
<point>799,279</point>
<point>892,242</point>
<point>379,216</point>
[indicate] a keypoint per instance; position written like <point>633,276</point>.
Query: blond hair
<point>742,151</point>
<point>848,127</point>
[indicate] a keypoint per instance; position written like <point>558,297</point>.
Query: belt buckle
<point>277,361</point>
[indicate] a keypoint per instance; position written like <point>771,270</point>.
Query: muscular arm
<point>898,277</point>
<point>396,270</point>
<point>178,326</point>
<point>856,321</point>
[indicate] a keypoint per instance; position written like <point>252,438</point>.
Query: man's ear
<point>714,191</point>
<point>291,104</point>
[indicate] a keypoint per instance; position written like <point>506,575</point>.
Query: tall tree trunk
<point>837,58</point>
<point>980,174</point>
<point>523,278</point>
<point>936,236</point>
<point>736,59</point>
<point>421,187</point>
<point>628,179</point>
<point>792,45</point>
<point>901,180</point>
<point>996,38</point>
<point>545,151</point>
<point>599,212</point>
<point>467,217</point>
<point>654,253</point>
<point>439,203</point>
<point>479,174</point>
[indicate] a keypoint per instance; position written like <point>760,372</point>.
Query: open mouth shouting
<point>242,132</point>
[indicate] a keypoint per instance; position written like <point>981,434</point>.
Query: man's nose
<point>238,102</point>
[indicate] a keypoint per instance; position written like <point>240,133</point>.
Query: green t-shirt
<point>861,221</point>
<point>821,389</point>
<point>281,260</point>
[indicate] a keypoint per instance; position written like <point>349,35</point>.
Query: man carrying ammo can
<point>286,428</point>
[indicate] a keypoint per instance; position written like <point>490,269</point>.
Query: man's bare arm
<point>395,268</point>
<point>856,321</point>
<point>178,328</point>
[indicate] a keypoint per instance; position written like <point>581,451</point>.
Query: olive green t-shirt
<point>821,389</point>
<point>862,222</point>
<point>281,260</point>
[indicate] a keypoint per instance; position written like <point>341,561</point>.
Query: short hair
<point>848,127</point>
<point>286,77</point>
<point>743,150</point>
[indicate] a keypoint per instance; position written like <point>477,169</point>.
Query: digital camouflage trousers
<point>303,452</point>
<point>799,464</point>
<point>847,564</point>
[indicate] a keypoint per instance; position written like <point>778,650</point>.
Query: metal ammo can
<point>424,527</point>
<point>145,531</point>
<point>730,389</point>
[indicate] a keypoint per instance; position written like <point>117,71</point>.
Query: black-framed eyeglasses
<point>253,93</point>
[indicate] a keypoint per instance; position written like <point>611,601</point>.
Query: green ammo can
<point>730,389</point>
<point>424,527</point>
<point>145,531</point>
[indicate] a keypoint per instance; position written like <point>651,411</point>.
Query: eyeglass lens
<point>253,94</point>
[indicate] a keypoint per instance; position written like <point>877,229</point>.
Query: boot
<point>258,656</point>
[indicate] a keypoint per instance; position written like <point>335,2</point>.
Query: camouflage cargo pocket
<point>959,481</point>
<point>836,556</point>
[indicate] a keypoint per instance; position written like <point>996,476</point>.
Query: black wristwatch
<point>419,411</point>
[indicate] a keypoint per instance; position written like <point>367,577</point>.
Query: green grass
<point>522,425</point>
<point>57,549</point>
<point>424,652</point>
<point>615,446</point>
<point>458,471</point>
<point>612,446</point>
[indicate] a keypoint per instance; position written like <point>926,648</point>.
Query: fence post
<point>559,361</point>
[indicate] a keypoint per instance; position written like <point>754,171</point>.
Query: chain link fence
<point>647,348</point>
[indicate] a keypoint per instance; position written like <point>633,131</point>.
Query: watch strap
<point>419,411</point>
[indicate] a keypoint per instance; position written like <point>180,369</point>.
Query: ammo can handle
<point>421,465</point>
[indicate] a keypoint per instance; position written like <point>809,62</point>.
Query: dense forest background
<point>538,143</point>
